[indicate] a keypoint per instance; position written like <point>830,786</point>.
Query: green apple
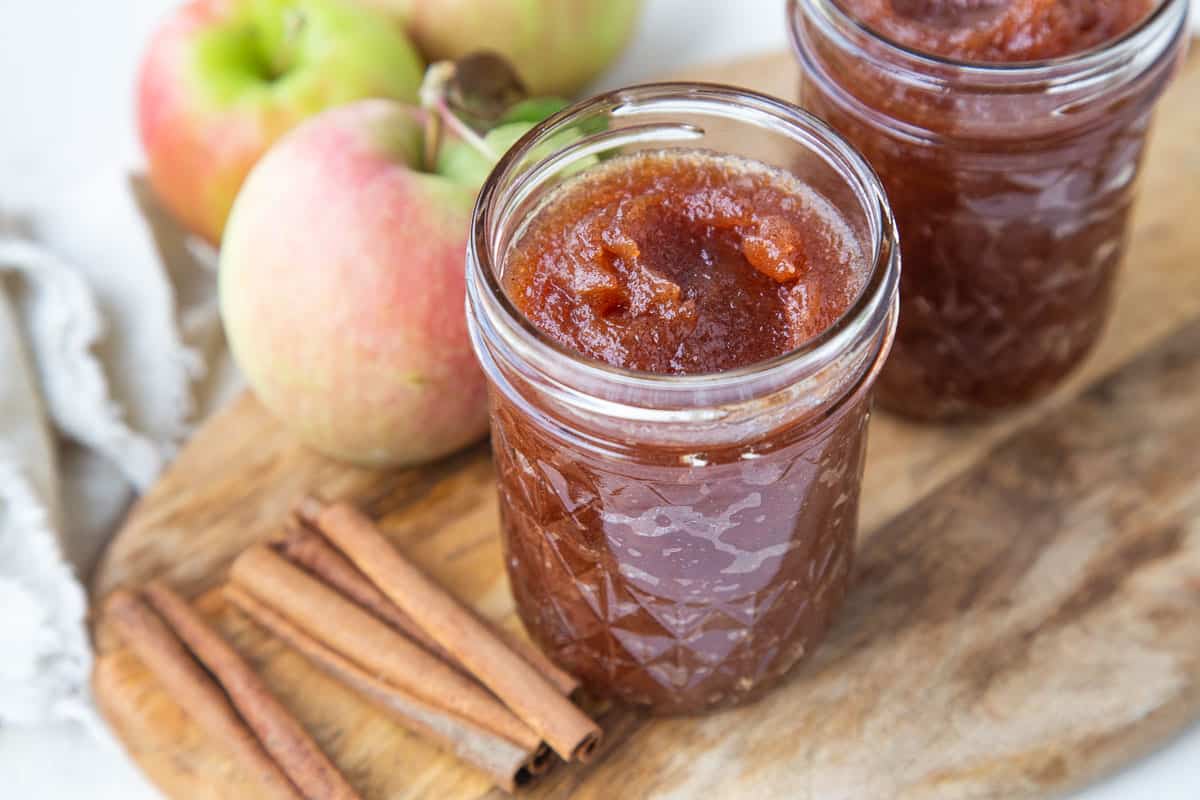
<point>223,79</point>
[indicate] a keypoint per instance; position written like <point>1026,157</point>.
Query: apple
<point>342,287</point>
<point>223,79</point>
<point>557,47</point>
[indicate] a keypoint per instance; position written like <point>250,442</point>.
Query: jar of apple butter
<point>1009,135</point>
<point>682,295</point>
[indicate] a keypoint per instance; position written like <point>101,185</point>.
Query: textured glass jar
<point>680,541</point>
<point>1012,186</point>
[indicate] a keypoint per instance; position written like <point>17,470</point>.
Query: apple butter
<point>1009,135</point>
<point>684,264</point>
<point>686,580</point>
<point>996,31</point>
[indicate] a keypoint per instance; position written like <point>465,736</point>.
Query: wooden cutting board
<point>1026,616</point>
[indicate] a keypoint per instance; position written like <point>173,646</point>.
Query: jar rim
<point>871,308</point>
<point>924,67</point>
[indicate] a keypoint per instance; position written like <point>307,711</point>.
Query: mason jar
<point>1012,186</point>
<point>679,542</point>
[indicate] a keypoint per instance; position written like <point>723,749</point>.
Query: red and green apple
<point>223,79</point>
<point>342,286</point>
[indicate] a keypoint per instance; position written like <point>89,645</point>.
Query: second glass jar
<point>1012,187</point>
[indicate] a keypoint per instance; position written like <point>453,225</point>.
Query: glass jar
<point>679,541</point>
<point>1012,186</point>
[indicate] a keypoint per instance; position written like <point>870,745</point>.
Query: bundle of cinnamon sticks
<point>335,590</point>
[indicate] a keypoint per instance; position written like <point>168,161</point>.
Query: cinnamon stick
<point>567,730</point>
<point>327,616</point>
<point>309,549</point>
<point>278,731</point>
<point>507,764</point>
<point>145,633</point>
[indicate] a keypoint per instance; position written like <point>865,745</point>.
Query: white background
<point>66,71</point>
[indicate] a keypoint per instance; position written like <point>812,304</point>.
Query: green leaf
<point>465,165</point>
<point>462,163</point>
<point>535,109</point>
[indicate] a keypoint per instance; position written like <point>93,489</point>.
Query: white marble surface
<point>65,78</point>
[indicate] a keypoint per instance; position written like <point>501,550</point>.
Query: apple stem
<point>463,131</point>
<point>433,141</point>
<point>433,100</point>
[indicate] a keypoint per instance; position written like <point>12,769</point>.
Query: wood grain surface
<point>1024,618</point>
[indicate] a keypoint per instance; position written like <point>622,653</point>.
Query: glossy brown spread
<point>1000,30</point>
<point>680,577</point>
<point>683,264</point>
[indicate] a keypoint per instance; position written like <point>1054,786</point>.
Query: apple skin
<point>341,286</point>
<point>556,46</point>
<point>223,79</point>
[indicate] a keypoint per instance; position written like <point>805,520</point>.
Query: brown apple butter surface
<point>683,263</point>
<point>1000,30</point>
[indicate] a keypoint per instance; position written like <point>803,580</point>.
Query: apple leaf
<point>465,165</point>
<point>481,88</point>
<point>535,109</point>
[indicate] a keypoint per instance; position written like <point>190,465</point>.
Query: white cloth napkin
<point>103,344</point>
